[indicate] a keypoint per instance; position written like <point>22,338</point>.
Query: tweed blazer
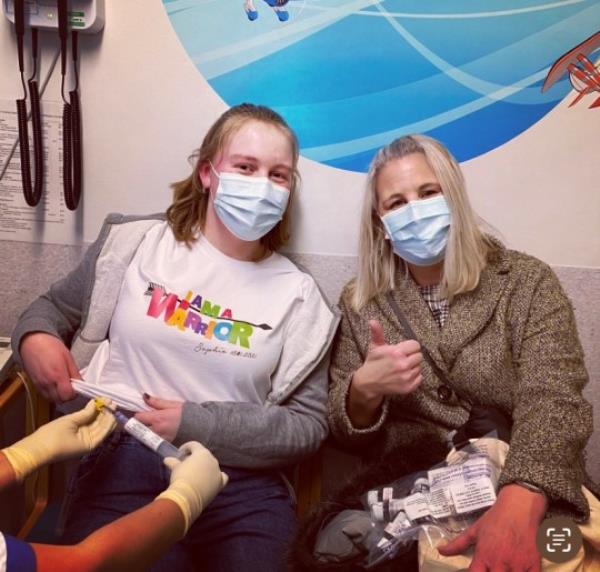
<point>511,343</point>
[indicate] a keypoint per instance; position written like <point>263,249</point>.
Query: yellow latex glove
<point>195,481</point>
<point>66,437</point>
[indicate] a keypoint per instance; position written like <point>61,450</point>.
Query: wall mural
<point>583,74</point>
<point>278,7</point>
<point>350,75</point>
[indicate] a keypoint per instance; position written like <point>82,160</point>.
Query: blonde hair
<point>467,249</point>
<point>187,212</point>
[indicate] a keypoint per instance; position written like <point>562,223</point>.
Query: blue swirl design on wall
<point>351,75</point>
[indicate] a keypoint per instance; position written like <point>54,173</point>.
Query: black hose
<point>72,152</point>
<point>31,192</point>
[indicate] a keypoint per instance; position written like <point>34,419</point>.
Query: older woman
<point>499,332</point>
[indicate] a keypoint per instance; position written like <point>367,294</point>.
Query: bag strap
<point>445,390</point>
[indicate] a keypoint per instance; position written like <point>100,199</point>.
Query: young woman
<point>498,328</point>
<point>225,338</point>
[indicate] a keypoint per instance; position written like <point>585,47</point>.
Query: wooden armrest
<point>308,483</point>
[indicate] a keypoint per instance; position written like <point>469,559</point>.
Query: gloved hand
<point>195,481</point>
<point>66,437</point>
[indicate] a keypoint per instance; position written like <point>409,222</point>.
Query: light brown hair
<point>187,212</point>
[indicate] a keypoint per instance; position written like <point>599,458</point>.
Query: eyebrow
<point>423,187</point>
<point>244,158</point>
<point>255,160</point>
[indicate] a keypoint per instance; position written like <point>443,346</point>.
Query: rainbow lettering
<point>200,316</point>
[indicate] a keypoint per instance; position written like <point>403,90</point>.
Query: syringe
<point>147,436</point>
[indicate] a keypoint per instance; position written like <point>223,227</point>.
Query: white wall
<point>145,108</point>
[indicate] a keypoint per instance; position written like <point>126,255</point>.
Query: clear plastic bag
<point>448,497</point>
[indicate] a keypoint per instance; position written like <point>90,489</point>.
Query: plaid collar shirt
<point>439,306</point>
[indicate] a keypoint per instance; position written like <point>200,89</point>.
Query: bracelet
<point>530,487</point>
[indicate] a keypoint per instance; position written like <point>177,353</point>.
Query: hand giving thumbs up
<point>389,369</point>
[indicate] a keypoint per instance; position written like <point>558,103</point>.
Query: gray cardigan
<point>290,425</point>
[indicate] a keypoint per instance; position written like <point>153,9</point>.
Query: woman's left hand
<point>505,536</point>
<point>165,419</point>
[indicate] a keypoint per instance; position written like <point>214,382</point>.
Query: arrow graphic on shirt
<point>153,286</point>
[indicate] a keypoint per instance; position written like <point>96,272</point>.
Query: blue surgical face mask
<point>249,206</point>
<point>419,230</point>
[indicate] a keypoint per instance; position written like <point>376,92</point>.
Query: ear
<point>204,174</point>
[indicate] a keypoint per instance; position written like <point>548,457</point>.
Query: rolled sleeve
<point>16,555</point>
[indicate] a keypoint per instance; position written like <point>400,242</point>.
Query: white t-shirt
<point>193,324</point>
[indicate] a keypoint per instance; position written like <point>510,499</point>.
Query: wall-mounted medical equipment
<point>84,15</point>
<point>68,17</point>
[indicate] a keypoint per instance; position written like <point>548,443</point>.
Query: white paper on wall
<point>50,220</point>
